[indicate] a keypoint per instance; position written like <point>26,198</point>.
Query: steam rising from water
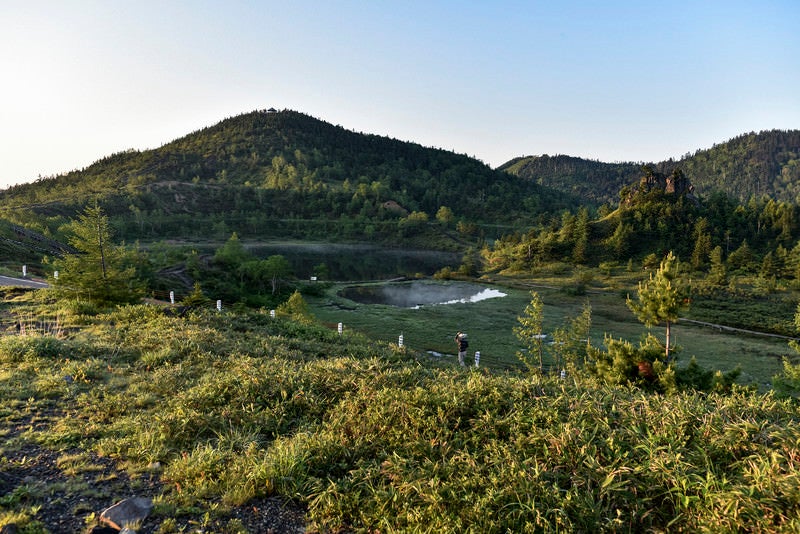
<point>419,293</point>
<point>483,295</point>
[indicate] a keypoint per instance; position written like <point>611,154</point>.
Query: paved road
<point>21,282</point>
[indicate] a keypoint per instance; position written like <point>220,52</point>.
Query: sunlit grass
<point>369,436</point>
<point>490,323</point>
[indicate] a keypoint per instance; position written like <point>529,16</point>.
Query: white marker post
<point>477,358</point>
<point>341,328</point>
<point>172,297</point>
<point>400,341</point>
<point>272,314</point>
<point>24,271</point>
<point>219,305</point>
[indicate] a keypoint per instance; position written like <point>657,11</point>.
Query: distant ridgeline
<point>284,174</point>
<point>750,165</point>
<point>269,172</point>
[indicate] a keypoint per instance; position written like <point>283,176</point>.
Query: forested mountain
<point>267,173</point>
<point>750,165</point>
<point>594,182</point>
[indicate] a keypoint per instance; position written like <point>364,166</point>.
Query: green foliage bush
<point>787,384</point>
<point>15,349</point>
<point>621,363</point>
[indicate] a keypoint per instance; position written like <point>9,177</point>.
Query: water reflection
<point>419,293</point>
<point>358,262</point>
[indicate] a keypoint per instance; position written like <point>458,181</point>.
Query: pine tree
<point>661,298</point>
<point>787,384</point>
<point>571,341</point>
<point>529,332</point>
<point>702,244</point>
<point>581,234</point>
<point>718,273</point>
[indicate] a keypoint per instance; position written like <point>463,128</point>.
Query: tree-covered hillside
<point>268,172</point>
<point>25,247</point>
<point>594,182</point>
<point>750,165</point>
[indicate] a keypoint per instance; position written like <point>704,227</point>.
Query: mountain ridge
<point>285,166</point>
<point>748,165</point>
<point>288,151</point>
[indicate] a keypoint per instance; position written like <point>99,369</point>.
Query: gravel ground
<point>69,502</point>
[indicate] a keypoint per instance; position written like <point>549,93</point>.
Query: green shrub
<point>15,349</point>
<point>787,384</point>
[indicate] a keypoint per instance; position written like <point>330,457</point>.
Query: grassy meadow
<point>229,408</point>
<point>490,326</point>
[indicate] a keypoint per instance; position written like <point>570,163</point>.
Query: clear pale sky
<point>609,80</point>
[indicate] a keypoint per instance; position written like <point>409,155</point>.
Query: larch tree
<point>97,269</point>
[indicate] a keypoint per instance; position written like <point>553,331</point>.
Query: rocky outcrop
<point>676,184</point>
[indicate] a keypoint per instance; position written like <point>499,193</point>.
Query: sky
<point>609,80</point>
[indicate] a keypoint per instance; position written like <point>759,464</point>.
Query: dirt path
<point>723,328</point>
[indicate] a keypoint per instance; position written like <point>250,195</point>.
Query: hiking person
<point>462,343</point>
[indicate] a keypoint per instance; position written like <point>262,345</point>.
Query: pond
<point>358,261</point>
<point>419,293</point>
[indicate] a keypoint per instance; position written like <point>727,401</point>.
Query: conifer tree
<point>296,309</point>
<point>661,298</point>
<point>787,384</point>
<point>571,341</point>
<point>718,273</point>
<point>97,269</point>
<point>530,334</point>
<point>702,244</point>
<point>579,251</point>
<point>232,254</point>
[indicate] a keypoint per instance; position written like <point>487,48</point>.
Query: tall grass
<point>372,437</point>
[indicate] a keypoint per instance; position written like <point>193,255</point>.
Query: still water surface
<point>419,293</point>
<point>358,262</point>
